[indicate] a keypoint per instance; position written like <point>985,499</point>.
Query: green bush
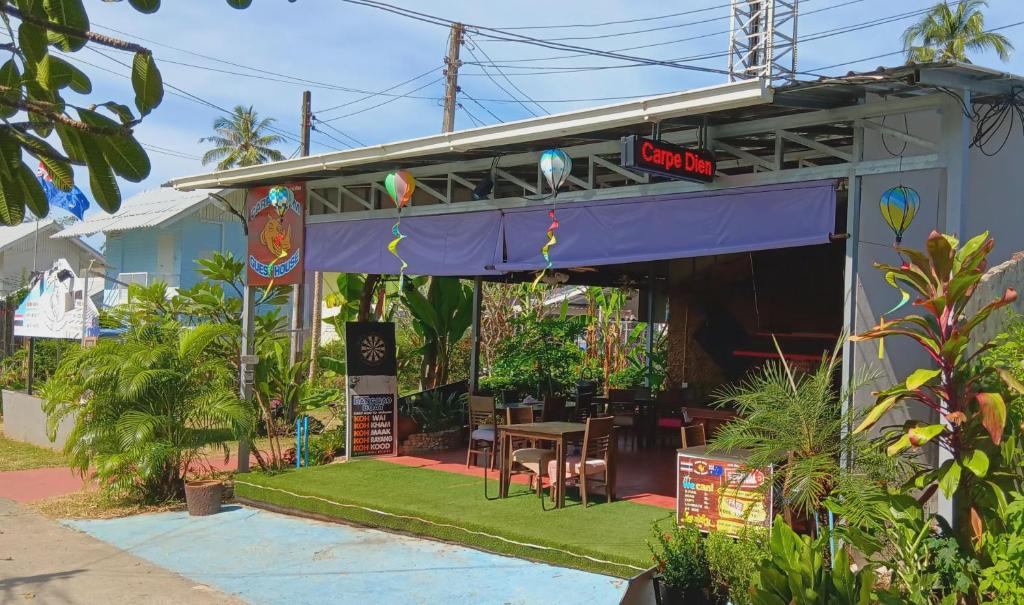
<point>541,357</point>
<point>434,412</point>
<point>796,574</point>
<point>147,407</point>
<point>1001,582</point>
<point>680,557</point>
<point>733,562</point>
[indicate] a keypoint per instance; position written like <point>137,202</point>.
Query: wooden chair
<point>526,457</point>
<point>693,435</point>
<point>584,406</point>
<point>622,407</point>
<point>482,430</point>
<point>554,409</point>
<point>597,459</point>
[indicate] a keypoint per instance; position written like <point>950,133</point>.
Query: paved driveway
<point>270,559</point>
<point>43,562</point>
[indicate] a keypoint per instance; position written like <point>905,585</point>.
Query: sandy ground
<point>42,561</point>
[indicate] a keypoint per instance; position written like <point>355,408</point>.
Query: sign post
<point>372,404</point>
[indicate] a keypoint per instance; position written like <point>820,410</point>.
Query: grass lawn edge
<point>259,488</point>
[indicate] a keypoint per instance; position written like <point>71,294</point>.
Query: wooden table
<point>558,432</point>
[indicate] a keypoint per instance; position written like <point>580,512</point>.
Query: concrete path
<point>44,562</point>
<point>271,559</point>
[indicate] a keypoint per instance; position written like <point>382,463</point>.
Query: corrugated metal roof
<point>10,235</point>
<point>146,209</point>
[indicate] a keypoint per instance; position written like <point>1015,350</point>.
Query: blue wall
<point>138,250</point>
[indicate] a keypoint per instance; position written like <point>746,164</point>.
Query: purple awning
<point>443,244</point>
<point>638,229</point>
<point>671,226</point>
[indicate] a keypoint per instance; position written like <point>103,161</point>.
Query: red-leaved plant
<point>972,420</point>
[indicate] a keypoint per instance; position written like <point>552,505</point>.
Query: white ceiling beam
<point>812,144</point>
<point>898,134</point>
<point>355,197</point>
<point>315,195</point>
<point>629,174</point>
<point>508,176</point>
<point>740,153</point>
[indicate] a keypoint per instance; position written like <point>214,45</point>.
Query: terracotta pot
<point>203,497</point>
<point>406,426</point>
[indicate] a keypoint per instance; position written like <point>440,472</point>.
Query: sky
<point>333,48</point>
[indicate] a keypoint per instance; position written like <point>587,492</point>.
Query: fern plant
<point>794,421</point>
<point>147,407</point>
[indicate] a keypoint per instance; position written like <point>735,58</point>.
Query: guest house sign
<point>716,493</point>
<point>668,160</point>
<point>372,368</point>
<point>276,219</point>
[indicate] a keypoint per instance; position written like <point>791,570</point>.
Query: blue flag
<point>73,201</point>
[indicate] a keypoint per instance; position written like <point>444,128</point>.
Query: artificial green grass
<point>615,533</point>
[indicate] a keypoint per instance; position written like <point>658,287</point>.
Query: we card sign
<point>717,493</point>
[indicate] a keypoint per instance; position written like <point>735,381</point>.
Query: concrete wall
<point>993,203</point>
<point>24,420</point>
<point>1009,274</point>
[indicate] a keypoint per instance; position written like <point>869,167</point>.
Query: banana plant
<point>441,318</point>
<point>944,278</point>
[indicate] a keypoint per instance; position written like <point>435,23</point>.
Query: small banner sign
<point>54,305</point>
<point>668,160</point>
<point>717,493</point>
<point>276,218</point>
<point>372,366</point>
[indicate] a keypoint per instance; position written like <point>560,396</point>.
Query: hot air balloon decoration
<point>400,186</point>
<point>899,206</point>
<point>280,199</point>
<point>556,166</point>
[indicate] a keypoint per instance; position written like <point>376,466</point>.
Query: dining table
<point>559,433</point>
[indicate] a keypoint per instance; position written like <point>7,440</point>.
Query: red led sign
<point>668,160</point>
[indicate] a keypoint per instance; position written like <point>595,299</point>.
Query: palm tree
<point>148,406</point>
<point>947,32</point>
<point>242,140</point>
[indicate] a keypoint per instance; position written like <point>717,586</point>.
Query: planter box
<point>24,420</point>
<point>441,441</point>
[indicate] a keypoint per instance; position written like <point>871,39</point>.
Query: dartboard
<point>373,348</point>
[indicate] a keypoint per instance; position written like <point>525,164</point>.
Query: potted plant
<point>682,576</point>
<point>203,497</point>
<point>441,420</point>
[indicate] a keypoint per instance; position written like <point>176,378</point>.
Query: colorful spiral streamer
<point>545,250</point>
<point>393,249</point>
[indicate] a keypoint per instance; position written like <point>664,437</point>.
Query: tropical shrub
<point>794,422</point>
<point>1000,581</point>
<point>434,412</point>
<point>147,407</point>
<point>441,318</point>
<point>734,562</point>
<point>542,356</point>
<point>927,565</point>
<point>944,278</point>
<point>680,558</point>
<point>795,573</point>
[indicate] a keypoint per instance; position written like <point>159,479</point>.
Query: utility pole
<point>451,71</point>
<point>295,351</point>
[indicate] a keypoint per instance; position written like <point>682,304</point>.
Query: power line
<point>381,92</point>
<point>197,99</point>
<point>828,33</point>
<point>288,78</point>
<point>477,121</point>
<point>391,100</point>
<point>171,152</point>
<point>479,104</point>
<point>503,74</point>
<point>339,131</point>
<point>497,34</point>
<point>624,21</point>
<point>329,136</point>
<point>498,84</point>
